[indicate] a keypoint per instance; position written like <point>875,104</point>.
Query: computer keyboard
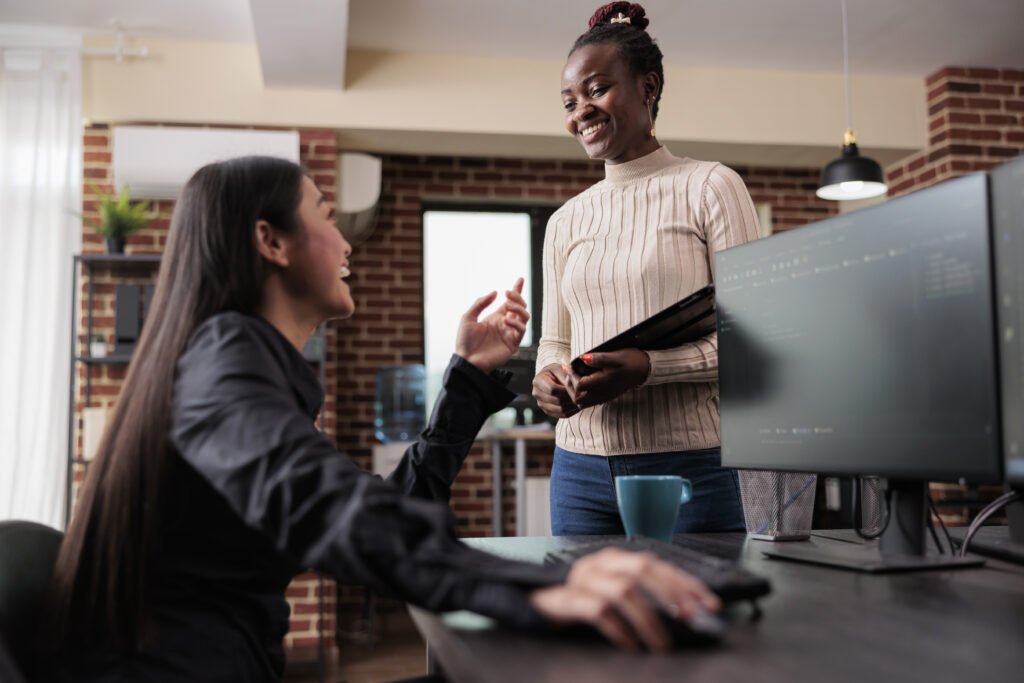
<point>729,581</point>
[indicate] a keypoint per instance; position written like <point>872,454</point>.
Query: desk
<point>520,436</point>
<point>818,625</point>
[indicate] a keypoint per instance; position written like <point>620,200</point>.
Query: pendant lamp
<point>851,176</point>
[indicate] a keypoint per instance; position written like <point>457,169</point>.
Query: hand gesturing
<point>488,343</point>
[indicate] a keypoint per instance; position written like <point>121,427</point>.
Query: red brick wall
<point>318,154</point>
<point>791,194</point>
<point>975,122</point>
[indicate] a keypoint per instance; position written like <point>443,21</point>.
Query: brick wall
<point>318,154</point>
<point>791,194</point>
<point>975,122</point>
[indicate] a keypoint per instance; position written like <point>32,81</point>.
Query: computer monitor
<point>1007,183</point>
<point>864,344</point>
<point>1007,191</point>
<point>522,365</point>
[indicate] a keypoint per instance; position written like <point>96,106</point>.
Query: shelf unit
<point>87,265</point>
<point>122,266</point>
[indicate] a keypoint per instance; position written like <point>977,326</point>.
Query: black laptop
<point>687,320</point>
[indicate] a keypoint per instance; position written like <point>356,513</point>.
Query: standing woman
<point>627,247</point>
<point>212,486</point>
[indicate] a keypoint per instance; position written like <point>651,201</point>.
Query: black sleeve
<point>467,397</point>
<point>237,422</point>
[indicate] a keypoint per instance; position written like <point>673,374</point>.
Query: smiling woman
<point>628,247</point>
<point>611,85</point>
<point>311,270</point>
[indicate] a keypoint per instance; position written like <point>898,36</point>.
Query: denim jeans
<point>583,491</point>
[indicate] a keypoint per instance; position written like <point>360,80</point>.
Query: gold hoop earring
<point>650,118</point>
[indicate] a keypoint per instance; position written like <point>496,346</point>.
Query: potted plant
<point>98,346</point>
<point>120,217</point>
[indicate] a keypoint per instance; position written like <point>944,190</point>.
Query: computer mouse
<point>701,630</point>
<point>704,629</point>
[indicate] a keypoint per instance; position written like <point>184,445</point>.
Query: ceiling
<point>894,37</point>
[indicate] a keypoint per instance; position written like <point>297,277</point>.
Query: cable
<point>846,67</point>
<point>990,509</point>
<point>856,513</point>
<point>932,516</point>
<point>949,540</point>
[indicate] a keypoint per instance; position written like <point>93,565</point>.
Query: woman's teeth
<point>592,129</point>
<point>344,272</point>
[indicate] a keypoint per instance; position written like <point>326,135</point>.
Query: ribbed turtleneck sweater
<point>629,246</point>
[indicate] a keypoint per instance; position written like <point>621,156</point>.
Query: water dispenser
<point>399,404</point>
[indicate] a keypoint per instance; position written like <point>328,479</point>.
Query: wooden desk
<point>818,624</point>
<point>519,436</point>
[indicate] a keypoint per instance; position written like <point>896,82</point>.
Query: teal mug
<point>649,504</point>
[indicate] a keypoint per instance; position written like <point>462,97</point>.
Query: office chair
<point>28,552</point>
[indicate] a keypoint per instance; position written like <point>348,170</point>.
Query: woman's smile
<point>589,133</point>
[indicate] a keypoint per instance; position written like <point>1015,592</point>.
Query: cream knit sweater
<point>631,245</point>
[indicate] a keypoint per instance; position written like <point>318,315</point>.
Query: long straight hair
<point>100,588</point>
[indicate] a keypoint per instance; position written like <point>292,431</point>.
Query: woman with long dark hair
<point>212,486</point>
<point>626,248</point>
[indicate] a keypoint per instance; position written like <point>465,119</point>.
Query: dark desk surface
<point>818,624</point>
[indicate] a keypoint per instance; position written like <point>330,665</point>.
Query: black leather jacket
<point>260,494</point>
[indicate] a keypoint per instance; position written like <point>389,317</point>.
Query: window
<point>469,250</point>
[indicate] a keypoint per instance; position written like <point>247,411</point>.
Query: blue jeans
<point>583,491</point>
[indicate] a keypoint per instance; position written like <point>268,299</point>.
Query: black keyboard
<point>728,580</point>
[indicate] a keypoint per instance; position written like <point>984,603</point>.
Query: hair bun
<point>636,14</point>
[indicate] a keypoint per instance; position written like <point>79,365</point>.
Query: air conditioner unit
<point>155,162</point>
<point>359,182</point>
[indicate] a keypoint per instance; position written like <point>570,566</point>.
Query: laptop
<point>687,320</point>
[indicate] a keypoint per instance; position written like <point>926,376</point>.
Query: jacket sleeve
<point>236,421</point>
<point>729,219</point>
<point>468,396</point>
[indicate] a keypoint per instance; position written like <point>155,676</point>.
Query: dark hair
<point>635,45</point>
<point>210,265</point>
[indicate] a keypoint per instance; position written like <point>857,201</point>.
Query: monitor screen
<point>864,343</point>
<point>522,366</point>
<point>1008,234</point>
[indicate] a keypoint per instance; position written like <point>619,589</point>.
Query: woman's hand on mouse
<point>617,592</point>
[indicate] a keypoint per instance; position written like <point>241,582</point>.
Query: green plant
<point>120,217</point>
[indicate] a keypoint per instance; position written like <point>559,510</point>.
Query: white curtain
<point>40,192</point>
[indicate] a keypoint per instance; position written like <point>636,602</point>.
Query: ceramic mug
<point>649,504</point>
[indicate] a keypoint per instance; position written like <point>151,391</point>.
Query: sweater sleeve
<point>237,423</point>
<point>729,219</point>
<point>556,331</point>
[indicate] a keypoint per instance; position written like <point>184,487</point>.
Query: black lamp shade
<point>851,176</point>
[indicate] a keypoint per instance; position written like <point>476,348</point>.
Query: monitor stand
<point>902,547</point>
<point>1003,542</point>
